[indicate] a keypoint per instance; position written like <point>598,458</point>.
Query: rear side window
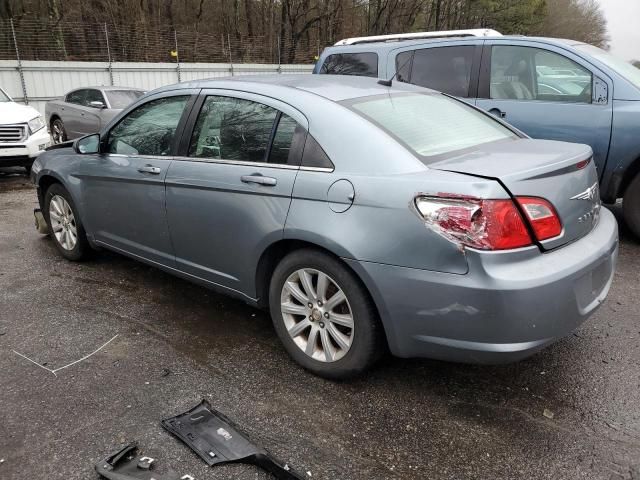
<point>364,64</point>
<point>446,69</point>
<point>242,130</point>
<point>431,124</point>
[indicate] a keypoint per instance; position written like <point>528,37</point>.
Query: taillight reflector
<point>542,216</point>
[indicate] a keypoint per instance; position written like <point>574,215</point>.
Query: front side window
<point>233,129</point>
<point>364,64</point>
<point>149,129</point>
<point>446,69</point>
<point>450,124</point>
<point>93,96</point>
<point>4,97</point>
<point>526,73</point>
<point>77,97</point>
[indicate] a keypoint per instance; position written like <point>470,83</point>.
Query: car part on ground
<point>126,464</point>
<point>217,440</point>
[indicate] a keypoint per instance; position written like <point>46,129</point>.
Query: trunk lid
<point>540,168</point>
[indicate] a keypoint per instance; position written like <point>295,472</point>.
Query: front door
<point>229,194</point>
<point>548,93</point>
<point>124,187</point>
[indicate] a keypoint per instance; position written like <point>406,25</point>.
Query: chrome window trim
<point>250,164</point>
<point>317,169</point>
<point>237,162</point>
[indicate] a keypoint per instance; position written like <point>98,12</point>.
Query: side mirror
<point>88,144</point>
<point>97,104</point>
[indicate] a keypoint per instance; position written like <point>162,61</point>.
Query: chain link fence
<point>41,60</point>
<point>29,39</point>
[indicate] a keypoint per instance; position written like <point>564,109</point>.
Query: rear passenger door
<point>229,192</point>
<point>548,93</point>
<point>452,69</point>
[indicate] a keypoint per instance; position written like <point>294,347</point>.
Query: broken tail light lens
<point>476,223</point>
<point>542,216</point>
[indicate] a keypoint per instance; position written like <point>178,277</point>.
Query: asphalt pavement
<point>571,411</point>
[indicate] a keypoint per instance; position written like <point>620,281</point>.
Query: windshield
<point>626,69</point>
<point>431,124</point>
<point>4,97</point>
<point>122,98</point>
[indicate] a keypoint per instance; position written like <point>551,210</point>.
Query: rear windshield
<point>364,64</point>
<point>431,124</point>
<point>122,98</point>
<point>626,69</point>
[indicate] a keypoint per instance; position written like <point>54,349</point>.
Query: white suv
<point>23,133</point>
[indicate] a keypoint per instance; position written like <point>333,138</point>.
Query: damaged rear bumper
<point>507,307</point>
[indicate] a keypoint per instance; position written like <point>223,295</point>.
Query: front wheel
<point>58,133</point>
<point>631,206</point>
<point>65,227</point>
<point>324,316</point>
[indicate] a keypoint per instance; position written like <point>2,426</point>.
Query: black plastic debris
<point>126,464</point>
<point>216,439</point>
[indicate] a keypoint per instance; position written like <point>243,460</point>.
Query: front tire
<point>58,132</point>
<point>324,316</point>
<point>631,206</point>
<point>65,227</point>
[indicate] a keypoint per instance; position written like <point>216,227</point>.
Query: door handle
<point>259,179</point>
<point>149,169</point>
<point>498,113</point>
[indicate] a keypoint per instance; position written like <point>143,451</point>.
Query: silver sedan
<point>86,110</point>
<point>362,216</point>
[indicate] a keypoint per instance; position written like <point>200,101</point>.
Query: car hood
<point>12,112</point>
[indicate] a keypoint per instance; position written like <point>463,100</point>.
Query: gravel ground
<point>572,411</point>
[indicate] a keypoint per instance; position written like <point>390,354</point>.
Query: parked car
<point>548,88</point>
<point>23,135</point>
<point>86,110</point>
<point>357,214</point>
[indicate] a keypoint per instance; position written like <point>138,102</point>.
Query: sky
<point>623,24</point>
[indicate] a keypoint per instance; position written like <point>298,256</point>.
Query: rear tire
<point>65,226</point>
<point>332,338</point>
<point>631,206</point>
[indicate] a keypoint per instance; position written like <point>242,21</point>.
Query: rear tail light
<point>542,216</point>
<point>476,223</point>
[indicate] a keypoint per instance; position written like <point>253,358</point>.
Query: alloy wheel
<point>57,132</point>
<point>317,315</point>
<point>63,222</point>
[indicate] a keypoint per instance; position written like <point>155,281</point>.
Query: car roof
<point>332,87</point>
<point>393,44</point>
<point>105,88</point>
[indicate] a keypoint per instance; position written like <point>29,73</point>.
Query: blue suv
<point>548,88</point>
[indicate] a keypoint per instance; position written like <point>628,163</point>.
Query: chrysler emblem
<point>590,193</point>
